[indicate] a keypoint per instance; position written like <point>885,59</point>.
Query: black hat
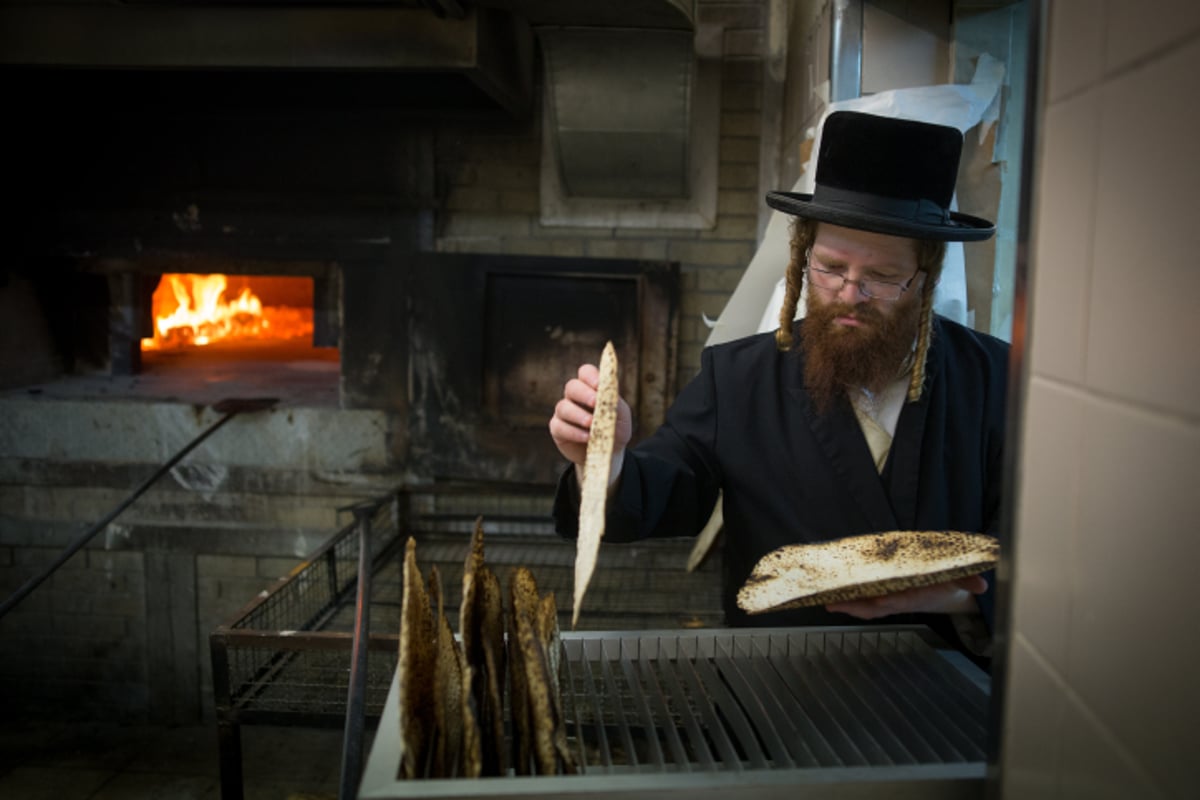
<point>886,175</point>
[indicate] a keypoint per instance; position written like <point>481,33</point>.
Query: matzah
<point>597,464</point>
<point>863,566</point>
<point>418,662</point>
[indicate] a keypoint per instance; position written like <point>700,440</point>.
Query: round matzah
<point>863,566</point>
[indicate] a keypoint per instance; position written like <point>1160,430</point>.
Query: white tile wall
<point>1033,732</point>
<point>1141,30</point>
<point>1066,199</point>
<point>1075,53</point>
<point>1049,518</point>
<point>1144,326</point>
<point>1102,698</point>
<point>1093,766</point>
<point>1133,636</point>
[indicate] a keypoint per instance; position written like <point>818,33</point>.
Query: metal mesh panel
<point>504,512</point>
<point>318,584</point>
<point>754,701</point>
<point>306,681</point>
<point>289,651</point>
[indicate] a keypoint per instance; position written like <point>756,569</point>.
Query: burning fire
<point>192,310</point>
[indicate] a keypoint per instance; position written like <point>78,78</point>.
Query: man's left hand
<point>952,597</point>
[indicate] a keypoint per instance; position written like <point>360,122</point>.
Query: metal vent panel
<point>836,709</point>
<point>620,110</point>
<point>745,701</point>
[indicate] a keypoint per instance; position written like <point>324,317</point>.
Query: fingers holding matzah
<point>571,424</point>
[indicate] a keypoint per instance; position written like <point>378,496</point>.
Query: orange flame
<point>192,310</point>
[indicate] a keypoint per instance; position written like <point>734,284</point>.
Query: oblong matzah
<point>539,727</point>
<point>597,464</point>
<point>447,703</point>
<point>468,612</point>
<point>481,628</point>
<point>491,714</point>
<point>472,741</point>
<point>522,597</point>
<point>548,634</point>
<point>855,567</point>
<point>418,662</point>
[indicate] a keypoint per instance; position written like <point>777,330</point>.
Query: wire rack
<point>284,659</point>
<point>287,652</point>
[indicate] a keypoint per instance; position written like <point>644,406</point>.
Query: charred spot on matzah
<point>886,549</point>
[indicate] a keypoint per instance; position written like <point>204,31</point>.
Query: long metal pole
<point>87,535</point>
<point>846,50</point>
<point>352,737</point>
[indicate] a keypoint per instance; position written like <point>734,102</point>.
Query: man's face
<point>853,341</point>
<point>862,255</point>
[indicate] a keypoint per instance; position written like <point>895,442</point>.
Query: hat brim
<point>959,228</point>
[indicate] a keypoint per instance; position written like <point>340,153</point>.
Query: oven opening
<point>248,333</point>
<point>267,315</point>
<point>202,319</point>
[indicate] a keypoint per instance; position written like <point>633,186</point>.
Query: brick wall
<point>488,178</point>
<point>75,646</point>
<point>120,631</point>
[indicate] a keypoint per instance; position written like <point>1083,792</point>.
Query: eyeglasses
<point>834,281</point>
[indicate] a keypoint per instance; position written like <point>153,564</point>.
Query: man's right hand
<point>572,421</point>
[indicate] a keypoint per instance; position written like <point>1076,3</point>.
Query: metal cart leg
<point>229,747</point>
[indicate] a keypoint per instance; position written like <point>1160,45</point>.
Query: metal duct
<point>845,55</point>
<point>620,102</point>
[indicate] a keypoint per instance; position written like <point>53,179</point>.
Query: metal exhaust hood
<point>400,55</point>
<point>619,76</point>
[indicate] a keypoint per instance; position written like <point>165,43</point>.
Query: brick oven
<point>383,200</point>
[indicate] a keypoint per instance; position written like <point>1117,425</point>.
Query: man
<point>871,414</point>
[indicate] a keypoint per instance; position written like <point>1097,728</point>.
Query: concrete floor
<point>100,761</point>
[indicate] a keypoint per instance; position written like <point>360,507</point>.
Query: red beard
<point>840,359</point>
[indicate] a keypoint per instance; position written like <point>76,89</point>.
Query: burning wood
<point>192,310</point>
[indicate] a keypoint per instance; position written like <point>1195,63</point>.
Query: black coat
<point>746,424</point>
